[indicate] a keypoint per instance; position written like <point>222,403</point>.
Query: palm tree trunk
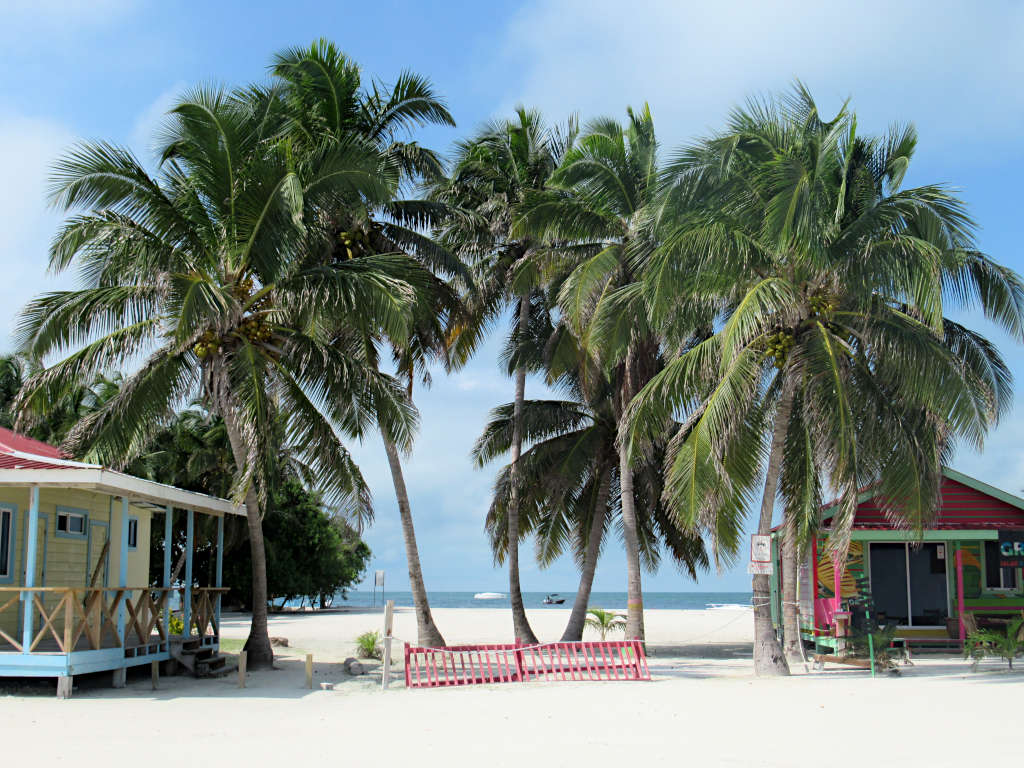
<point>259,652</point>
<point>768,656</point>
<point>790,615</point>
<point>520,624</point>
<point>577,619</point>
<point>426,631</point>
<point>634,589</point>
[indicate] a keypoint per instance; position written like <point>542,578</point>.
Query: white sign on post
<point>378,579</point>
<point>760,555</point>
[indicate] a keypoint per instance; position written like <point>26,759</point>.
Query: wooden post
<point>168,545</point>
<point>122,570</point>
<point>154,674</point>
<point>30,569</point>
<point>190,525</point>
<point>309,670</point>
<point>837,581</point>
<point>64,685</point>
<point>220,569</point>
<point>389,617</point>
<point>960,602</point>
<point>241,668</point>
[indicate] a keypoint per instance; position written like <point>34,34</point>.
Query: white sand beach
<point>703,707</point>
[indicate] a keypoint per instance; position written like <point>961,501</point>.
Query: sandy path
<point>697,711</point>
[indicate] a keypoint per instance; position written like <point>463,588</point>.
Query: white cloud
<point>148,122</point>
<point>952,67</point>
<point>27,148</point>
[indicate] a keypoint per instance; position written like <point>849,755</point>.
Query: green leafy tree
<point>493,175</point>
<point>310,554</point>
<point>832,365</point>
<point>328,105</point>
<point>200,272</point>
<point>596,208</point>
<point>569,482</point>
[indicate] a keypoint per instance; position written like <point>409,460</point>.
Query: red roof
<point>965,504</point>
<point>21,452</point>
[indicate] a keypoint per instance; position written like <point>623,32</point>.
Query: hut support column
<point>220,569</point>
<point>960,604</point>
<point>30,569</point>
<point>168,545</point>
<point>190,525</point>
<point>120,675</point>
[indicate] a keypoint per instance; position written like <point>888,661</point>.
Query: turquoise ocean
<point>535,600</point>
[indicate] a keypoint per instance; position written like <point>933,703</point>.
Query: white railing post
<point>30,568</point>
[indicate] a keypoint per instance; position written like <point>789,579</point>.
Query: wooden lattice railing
<point>92,613</point>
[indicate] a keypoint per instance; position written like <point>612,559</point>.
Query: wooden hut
<point>965,569</point>
<point>76,594</point>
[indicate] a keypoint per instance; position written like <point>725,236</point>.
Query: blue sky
<point>109,68</point>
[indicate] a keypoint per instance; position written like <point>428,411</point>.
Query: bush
<point>1007,643</point>
<point>368,646</point>
<point>176,625</point>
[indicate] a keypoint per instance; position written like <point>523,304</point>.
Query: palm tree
<point>197,272</point>
<point>569,481</point>
<point>596,208</point>
<point>328,105</point>
<point>493,175</point>
<point>833,364</point>
<point>605,622</point>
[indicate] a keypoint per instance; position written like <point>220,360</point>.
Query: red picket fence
<point>504,663</point>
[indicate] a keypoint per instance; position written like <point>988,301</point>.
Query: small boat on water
<point>553,599</point>
<point>489,596</point>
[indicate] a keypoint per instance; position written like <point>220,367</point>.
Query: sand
<point>704,707</point>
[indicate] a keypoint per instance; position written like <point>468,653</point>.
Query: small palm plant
<point>1007,643</point>
<point>368,645</point>
<point>605,622</point>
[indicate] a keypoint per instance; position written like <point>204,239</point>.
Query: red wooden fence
<point>504,663</point>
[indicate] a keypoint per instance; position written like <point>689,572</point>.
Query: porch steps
<point>201,661</point>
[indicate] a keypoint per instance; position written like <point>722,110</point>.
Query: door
<point>909,583</point>
<point>929,590</point>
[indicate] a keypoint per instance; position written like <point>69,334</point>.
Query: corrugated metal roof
<point>27,456</point>
<point>12,442</point>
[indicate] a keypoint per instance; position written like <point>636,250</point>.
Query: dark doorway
<point>908,583</point>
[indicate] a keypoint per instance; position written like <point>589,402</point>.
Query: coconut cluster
<point>208,344</point>
<point>354,242</point>
<point>823,304</point>
<point>255,330</point>
<point>779,345</point>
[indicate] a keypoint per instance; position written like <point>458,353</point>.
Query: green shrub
<point>1006,643</point>
<point>368,646</point>
<point>176,626</point>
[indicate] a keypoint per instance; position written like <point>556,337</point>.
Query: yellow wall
<point>65,558</point>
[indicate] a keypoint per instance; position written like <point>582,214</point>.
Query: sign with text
<point>760,548</point>
<point>1011,549</point>
<point>760,555</point>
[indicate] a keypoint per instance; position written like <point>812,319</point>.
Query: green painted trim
<point>883,536</point>
<point>978,485</point>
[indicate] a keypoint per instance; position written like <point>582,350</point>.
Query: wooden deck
<point>73,619</point>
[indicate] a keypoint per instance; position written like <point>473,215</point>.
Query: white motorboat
<point>489,596</point>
